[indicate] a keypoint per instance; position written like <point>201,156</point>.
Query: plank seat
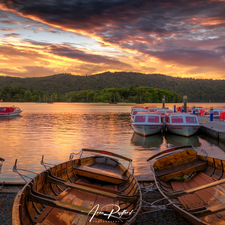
<point>181,170</point>
<point>109,175</point>
<point>205,203</point>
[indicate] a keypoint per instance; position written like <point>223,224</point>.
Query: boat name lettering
<point>138,127</point>
<point>115,212</point>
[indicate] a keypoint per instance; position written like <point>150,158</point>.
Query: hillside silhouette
<point>197,90</point>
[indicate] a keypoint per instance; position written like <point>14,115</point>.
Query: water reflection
<point>212,141</point>
<point>147,142</point>
<point>176,140</point>
<point>56,130</point>
<point>9,118</point>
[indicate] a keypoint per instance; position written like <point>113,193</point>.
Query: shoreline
<point>163,217</point>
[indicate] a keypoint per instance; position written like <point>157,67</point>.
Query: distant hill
<point>197,90</point>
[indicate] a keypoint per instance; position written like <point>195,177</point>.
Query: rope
<point>155,208</point>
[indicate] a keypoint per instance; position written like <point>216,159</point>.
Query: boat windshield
<point>177,119</point>
<point>140,119</point>
<point>191,119</point>
<point>153,119</point>
<point>2,109</point>
<point>136,111</point>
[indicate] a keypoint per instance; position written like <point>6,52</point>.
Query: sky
<point>180,38</point>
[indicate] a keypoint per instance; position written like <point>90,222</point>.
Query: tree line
<point>132,94</point>
<point>197,90</point>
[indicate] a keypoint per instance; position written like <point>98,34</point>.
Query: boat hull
<point>146,130</point>
<point>183,130</point>
<point>10,114</point>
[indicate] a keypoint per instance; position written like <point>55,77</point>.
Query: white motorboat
<point>147,123</point>
<point>184,124</point>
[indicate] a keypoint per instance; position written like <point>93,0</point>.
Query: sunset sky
<point>177,38</point>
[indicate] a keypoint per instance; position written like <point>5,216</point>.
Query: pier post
<point>185,103</point>
<point>193,110</point>
<point>163,102</point>
<point>211,114</point>
<point>174,108</point>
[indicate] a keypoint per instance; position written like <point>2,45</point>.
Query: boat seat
<point>100,174</point>
<point>181,170</point>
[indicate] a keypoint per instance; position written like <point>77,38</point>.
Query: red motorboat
<point>10,111</point>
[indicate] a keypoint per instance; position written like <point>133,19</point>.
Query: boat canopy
<point>184,118</point>
<point>7,109</point>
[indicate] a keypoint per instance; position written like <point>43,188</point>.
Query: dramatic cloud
<point>184,38</point>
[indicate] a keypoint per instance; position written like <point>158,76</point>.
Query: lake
<point>56,130</point>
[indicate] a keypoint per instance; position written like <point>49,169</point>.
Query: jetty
<point>214,129</point>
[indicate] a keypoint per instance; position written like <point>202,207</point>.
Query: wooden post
<point>185,103</point>
<point>163,102</point>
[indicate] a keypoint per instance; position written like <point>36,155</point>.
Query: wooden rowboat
<point>92,190</point>
<point>193,184</point>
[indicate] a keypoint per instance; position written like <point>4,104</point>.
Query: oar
<point>175,194</point>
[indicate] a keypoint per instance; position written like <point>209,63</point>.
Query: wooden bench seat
<point>181,170</point>
<point>108,174</point>
<point>207,204</point>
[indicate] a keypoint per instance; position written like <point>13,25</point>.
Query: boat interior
<point>194,183</point>
<point>78,192</point>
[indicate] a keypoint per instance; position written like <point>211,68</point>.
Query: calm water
<point>56,130</point>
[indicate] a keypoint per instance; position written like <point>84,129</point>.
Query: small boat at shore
<point>147,123</point>
<point>183,124</point>
<point>88,190</point>
<point>192,183</point>
<point>1,163</point>
<point>10,111</point>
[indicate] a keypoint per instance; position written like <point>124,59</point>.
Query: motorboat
<point>183,124</point>
<point>163,112</point>
<point>192,183</point>
<point>84,190</point>
<point>197,110</point>
<point>147,123</point>
<point>216,113</point>
<point>152,108</point>
<point>206,111</point>
<point>10,111</point>
<point>179,108</point>
<point>137,110</point>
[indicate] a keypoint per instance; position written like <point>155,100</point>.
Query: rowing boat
<point>88,190</point>
<point>192,182</point>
